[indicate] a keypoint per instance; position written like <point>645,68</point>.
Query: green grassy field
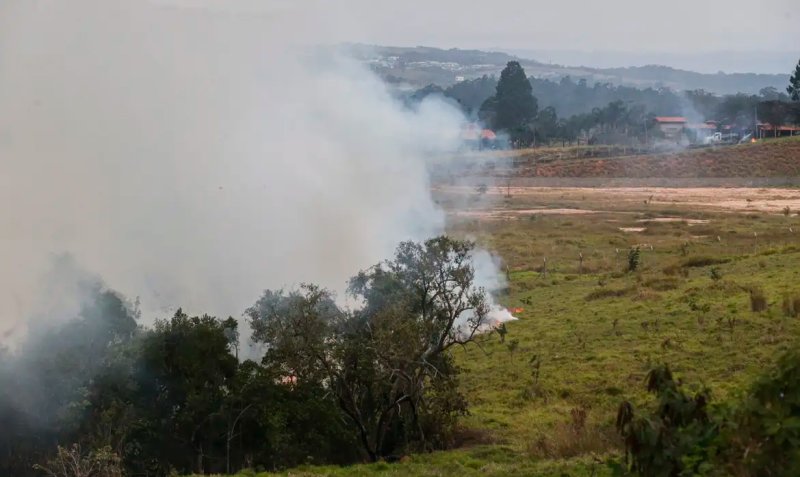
<point>596,330</point>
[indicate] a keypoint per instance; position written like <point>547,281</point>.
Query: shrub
<point>72,462</point>
<point>758,300</point>
<point>762,439</point>
<point>662,443</point>
<point>757,436</point>
<point>634,256</point>
<point>574,438</point>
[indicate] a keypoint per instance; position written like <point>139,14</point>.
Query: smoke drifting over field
<point>194,157</point>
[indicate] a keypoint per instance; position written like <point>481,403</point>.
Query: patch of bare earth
<point>734,199</point>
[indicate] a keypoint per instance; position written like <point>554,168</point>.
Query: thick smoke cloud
<point>194,157</point>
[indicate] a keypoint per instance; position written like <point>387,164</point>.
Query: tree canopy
<point>385,364</point>
<point>794,84</point>
<point>335,386</point>
<point>513,107</point>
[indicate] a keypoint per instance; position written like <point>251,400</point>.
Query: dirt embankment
<point>769,158</point>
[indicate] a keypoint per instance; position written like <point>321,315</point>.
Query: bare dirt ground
<point>576,200</point>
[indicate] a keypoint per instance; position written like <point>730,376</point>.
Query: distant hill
<point>419,66</point>
<point>729,61</point>
<point>720,83</point>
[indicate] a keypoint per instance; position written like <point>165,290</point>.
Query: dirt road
<point>571,199</point>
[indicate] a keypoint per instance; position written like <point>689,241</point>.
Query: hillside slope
<point>421,66</point>
<point>775,158</point>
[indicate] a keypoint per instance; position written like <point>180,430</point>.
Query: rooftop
<point>670,119</point>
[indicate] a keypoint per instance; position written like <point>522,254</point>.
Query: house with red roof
<point>671,126</point>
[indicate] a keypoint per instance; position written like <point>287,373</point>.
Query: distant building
<point>769,130</point>
<point>478,137</point>
<point>702,133</point>
<point>671,126</point>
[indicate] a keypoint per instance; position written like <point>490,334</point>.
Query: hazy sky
<point>668,25</point>
<point>629,25</point>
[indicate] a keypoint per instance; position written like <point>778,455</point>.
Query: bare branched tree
<point>72,462</point>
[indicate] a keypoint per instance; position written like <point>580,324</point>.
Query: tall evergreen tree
<point>794,84</point>
<point>513,107</point>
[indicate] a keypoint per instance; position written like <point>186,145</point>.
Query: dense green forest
<point>560,111</point>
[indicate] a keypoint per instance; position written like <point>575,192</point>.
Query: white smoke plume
<point>196,156</point>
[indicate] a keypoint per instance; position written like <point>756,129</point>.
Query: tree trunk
<point>200,460</point>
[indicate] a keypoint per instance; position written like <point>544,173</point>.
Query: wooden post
<point>580,263</point>
<point>544,268</point>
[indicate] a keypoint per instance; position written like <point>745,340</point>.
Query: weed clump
<point>662,284</point>
<point>758,300</point>
<point>646,294</point>
<point>608,293</point>
<point>791,305</point>
<point>703,261</point>
<point>574,438</point>
<point>676,269</point>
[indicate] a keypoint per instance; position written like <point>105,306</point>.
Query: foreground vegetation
<point>544,400</point>
<point>335,385</point>
<point>713,295</point>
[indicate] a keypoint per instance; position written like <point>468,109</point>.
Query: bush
<point>665,442</point>
<point>757,436</point>
<point>71,462</point>
<point>634,256</point>
<point>763,435</point>
<point>758,300</point>
<point>574,438</point>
